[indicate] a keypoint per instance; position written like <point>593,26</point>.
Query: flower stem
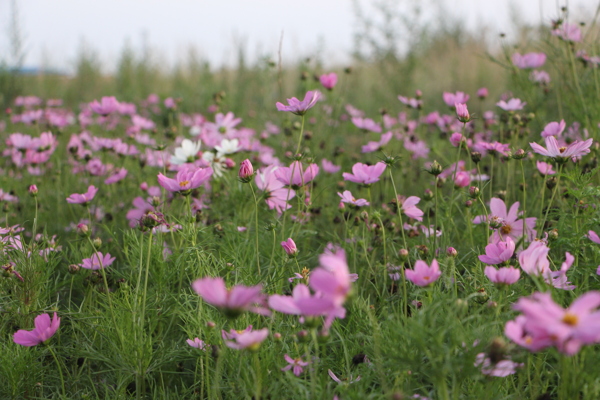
<point>62,380</point>
<point>256,228</point>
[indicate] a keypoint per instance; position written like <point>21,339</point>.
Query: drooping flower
<point>296,363</point>
<point>277,195</point>
<point>97,261</point>
<point>116,176</point>
<point>554,128</point>
<point>300,107</point>
<point>232,301</point>
<point>409,207</point>
<point>365,174</point>
<point>593,236</point>
<point>44,330</point>
<point>84,198</point>
<point>301,302</point>
<point>329,167</point>
<point>348,198</point>
<point>502,276</point>
<point>423,274</point>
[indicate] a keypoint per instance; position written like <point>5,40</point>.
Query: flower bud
<point>97,242</point>
<point>290,247</point>
<point>462,113</point>
<point>277,336</point>
<point>435,168</point>
<point>303,336</point>
<point>476,157</point>
<point>33,190</point>
<point>211,325</point>
<point>246,171</point>
<point>451,252</point>
<point>74,268</point>
<point>519,154</point>
<point>403,254</point>
<point>469,203</point>
<point>473,192</point>
<point>427,195</point>
<point>551,182</point>
<point>83,229</point>
<point>482,93</point>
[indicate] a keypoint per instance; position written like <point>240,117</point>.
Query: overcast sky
<point>54,30</point>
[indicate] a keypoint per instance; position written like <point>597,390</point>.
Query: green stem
<point>62,380</point>
<point>552,198</point>
<point>256,228</point>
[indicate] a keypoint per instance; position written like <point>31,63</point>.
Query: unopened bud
<point>246,171</point>
<point>469,203</point>
<point>435,168</point>
<point>427,195</point>
<point>519,154</point>
<point>74,268</point>
<point>451,252</point>
<point>476,157</point>
<point>403,254</point>
<point>83,229</point>
<point>33,190</point>
<point>551,182</point>
<point>97,242</point>
<point>473,192</point>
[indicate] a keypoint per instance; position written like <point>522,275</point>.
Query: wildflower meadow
<point>321,242</point>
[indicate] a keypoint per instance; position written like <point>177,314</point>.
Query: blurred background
<point>79,50</point>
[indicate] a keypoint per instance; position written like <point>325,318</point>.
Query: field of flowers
<point>309,249</point>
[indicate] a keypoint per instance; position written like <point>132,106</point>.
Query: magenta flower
<point>97,261</point>
<point>462,179</point>
<point>511,105</point>
<point>502,276</point>
<point>348,198</point>
<point>529,60</point>
<point>84,198</point>
<point>534,260</point>
<point>328,80</point>
<point>456,138</point>
<point>295,175</point>
<point>422,274</point>
<point>290,247</point>
<point>44,330</point>
<point>187,178</point>
<point>246,171</point>
<point>482,93</point>
<point>117,176</point>
<point>250,340</point>
<point>365,174</point>
<point>452,98</point>
<point>296,363</point>
<point>544,168</point>
<point>300,107</point>
<point>498,253</point>
<point>562,154</point>
<point>232,301</point>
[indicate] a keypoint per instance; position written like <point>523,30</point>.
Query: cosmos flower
<point>300,107</point>
<point>44,330</point>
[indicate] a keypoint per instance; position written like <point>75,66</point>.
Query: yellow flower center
<point>506,229</point>
<point>562,149</point>
<point>184,183</point>
<point>570,319</point>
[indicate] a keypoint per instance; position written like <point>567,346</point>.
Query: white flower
<point>195,130</point>
<point>186,153</point>
<point>217,163</point>
<point>227,147</point>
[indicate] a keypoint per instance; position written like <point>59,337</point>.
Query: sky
<point>55,31</point>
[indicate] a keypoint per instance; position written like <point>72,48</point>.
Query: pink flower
<point>338,380</point>
<point>367,124</point>
<point>232,301</point>
<point>295,175</point>
<point>300,107</point>
<point>422,274</point>
<point>197,343</point>
<point>462,112</point>
<point>290,247</point>
<point>187,178</point>
<point>456,138</point>
<point>511,105</point>
<point>278,196</point>
<point>509,224</point>
<point>328,80</point>
<point>246,171</point>
<point>500,369</point>
<point>409,207</point>
<point>452,98</point>
<point>250,340</point>
<point>502,276</point>
<point>374,146</point>
<point>544,323</point>
<point>329,167</point>
<point>541,77</point>
<point>554,128</point>
<point>347,197</point>
<point>296,363</point>
<point>97,261</point>
<point>411,102</point>
<point>534,260</point>
<point>544,168</point>
<point>562,154</point>
<point>84,198</point>
<point>497,253</point>
<point>301,302</point>
<point>529,60</point>
<point>482,93</point>
<point>117,176</point>
<point>558,279</point>
<point>44,330</point>
<point>568,32</point>
<point>365,174</point>
<point>106,106</point>
<point>462,179</point>
<point>593,236</point>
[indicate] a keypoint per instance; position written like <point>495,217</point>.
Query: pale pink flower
<point>290,247</point>
<point>497,253</point>
<point>529,60</point>
<point>374,146</point>
<point>534,260</point>
<point>462,179</point>
<point>500,369</point>
<point>97,261</point>
<point>277,195</point>
<point>198,344</point>
<point>452,98</point>
<point>422,274</point>
<point>562,154</point>
<point>117,176</point>
<point>541,77</point>
<point>186,179</point>
<point>250,340</point>
<point>300,107</point>
<point>462,112</point>
<point>568,32</point>
<point>232,301</point>
<point>365,174</point>
<point>511,105</point>
<point>367,124</point>
<point>338,380</point>
<point>43,331</point>
<point>510,224</point>
<point>106,106</point>
<point>558,279</point>
<point>544,168</point>
<point>593,236</point>
<point>409,207</point>
<point>84,198</point>
<point>456,138</point>
<point>329,167</point>
<point>295,175</point>
<point>347,197</point>
<point>482,93</point>
<point>554,128</point>
<point>301,302</point>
